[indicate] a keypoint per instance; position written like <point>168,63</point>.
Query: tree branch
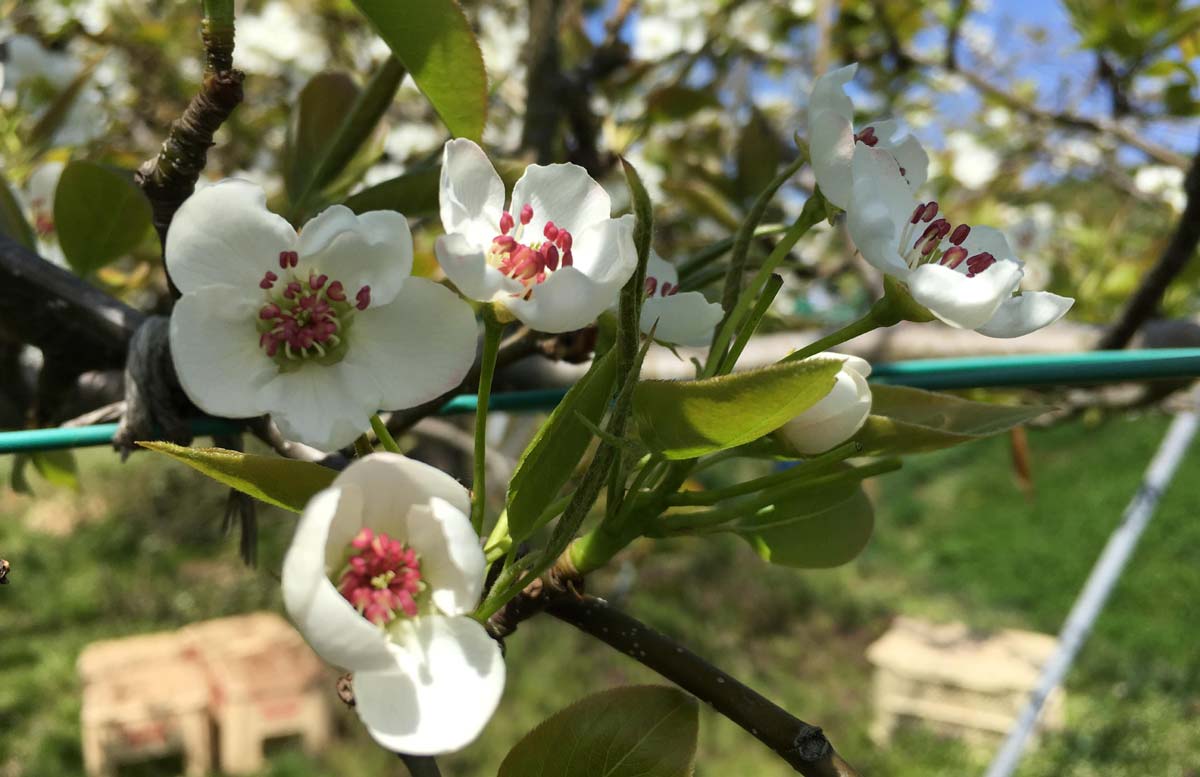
<point>803,746</point>
<point>70,320</point>
<point>1145,301</point>
<point>170,178</point>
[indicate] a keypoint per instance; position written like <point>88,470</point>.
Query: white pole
<point>1099,585</point>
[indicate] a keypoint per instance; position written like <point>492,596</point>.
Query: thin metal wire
<point>997,371</point>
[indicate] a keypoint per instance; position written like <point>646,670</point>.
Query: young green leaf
<point>57,467</point>
<point>559,445</point>
<point>909,420</point>
<point>415,193</point>
<point>685,419</point>
<point>100,215</point>
<point>828,529</point>
<point>12,220</point>
<point>434,41</point>
<point>638,731</point>
<point>281,482</point>
<point>321,109</point>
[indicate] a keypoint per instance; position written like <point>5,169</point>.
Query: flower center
<point>529,262</point>
<point>664,289</point>
<point>926,249</point>
<point>382,578</point>
<point>305,318</point>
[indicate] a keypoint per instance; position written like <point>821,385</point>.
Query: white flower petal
<point>829,92</point>
<point>224,234</point>
<point>604,251</point>
<point>1026,312</point>
<point>336,631</point>
<point>320,405</point>
<point>566,301</point>
<point>467,268</point>
<point>987,239</point>
<point>374,249</point>
<point>831,143</point>
<point>452,560</point>
<point>960,301</point>
<point>839,414</point>
<point>661,270</point>
<point>392,485</point>
<point>446,682</point>
<point>684,319</point>
<point>881,203</point>
<point>911,156</point>
<point>413,349</point>
<point>562,193</point>
<point>214,346</point>
<point>471,195</point>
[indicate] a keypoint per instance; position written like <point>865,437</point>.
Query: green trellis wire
<point>982,372</point>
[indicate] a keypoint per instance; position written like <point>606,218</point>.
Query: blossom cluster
<point>324,327</point>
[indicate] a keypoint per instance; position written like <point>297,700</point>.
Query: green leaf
<point>51,120</point>
<point>559,445</point>
<point>57,467</point>
<point>434,41</point>
<point>353,128</point>
<point>100,215</point>
<point>12,218</point>
<point>414,193</point>
<point>815,530</point>
<point>324,104</point>
<point>685,419</point>
<point>638,731</point>
<point>908,420</point>
<point>673,103</point>
<point>281,482</point>
<point>758,156</point>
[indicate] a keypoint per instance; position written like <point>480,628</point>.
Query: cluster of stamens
<point>926,249</point>
<point>382,579</point>
<point>304,317</point>
<point>664,289</point>
<point>529,262</point>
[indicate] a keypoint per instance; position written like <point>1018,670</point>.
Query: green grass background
<point>139,548</point>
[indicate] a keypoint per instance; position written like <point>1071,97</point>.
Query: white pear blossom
<point>970,284</point>
<point>666,28</point>
<point>838,416</point>
<point>1162,181</point>
<point>320,329</point>
<point>555,259</point>
<point>38,197</point>
<point>832,138</point>
<point>279,38</point>
<point>380,577</point>
<point>974,165</point>
<point>683,319</point>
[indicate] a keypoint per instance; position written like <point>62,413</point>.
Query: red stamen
<point>336,292</point>
<point>506,222</point>
<point>651,286</point>
<point>960,234</point>
<point>526,213</point>
<point>550,231</point>
<point>363,298</point>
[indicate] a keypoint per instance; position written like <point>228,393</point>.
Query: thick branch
<point>70,320</point>
<point>803,746</point>
<point>544,75</point>
<point>1145,301</point>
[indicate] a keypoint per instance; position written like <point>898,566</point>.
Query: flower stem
<point>799,473</point>
<point>814,210</point>
<point>385,437</point>
<point>774,283</point>
<point>881,314</point>
<point>492,329</point>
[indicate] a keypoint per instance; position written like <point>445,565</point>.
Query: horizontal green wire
<point>983,372</point>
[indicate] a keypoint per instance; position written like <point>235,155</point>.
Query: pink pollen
<point>382,578</point>
<point>550,252</point>
<point>526,213</point>
<point>931,209</point>
<point>954,257</point>
<point>336,292</point>
<point>506,222</point>
<point>960,234</point>
<point>565,240</point>
<point>318,282</point>
<point>867,137</point>
<point>550,231</point>
<point>651,286</point>
<point>269,311</point>
<point>363,298</point>
<point>567,260</point>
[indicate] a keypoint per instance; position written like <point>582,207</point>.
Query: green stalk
<point>385,437</point>
<point>711,253</point>
<point>362,446</point>
<point>806,469</point>
<point>813,212</point>
<point>492,329</point>
<point>774,283</point>
<point>707,519</point>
